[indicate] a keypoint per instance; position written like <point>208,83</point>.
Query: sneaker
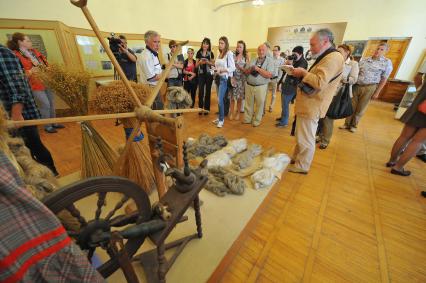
<point>50,130</point>
<point>216,121</point>
<point>279,125</point>
<point>344,127</point>
<point>294,169</point>
<point>352,130</point>
<point>220,124</point>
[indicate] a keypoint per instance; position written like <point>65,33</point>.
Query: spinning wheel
<point>93,234</point>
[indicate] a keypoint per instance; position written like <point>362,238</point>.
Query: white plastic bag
<point>276,162</point>
<point>263,178</point>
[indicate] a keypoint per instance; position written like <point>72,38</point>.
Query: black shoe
<point>323,146</point>
<point>401,173</point>
<point>422,157</point>
<point>200,113</point>
<point>50,130</point>
<point>390,164</point>
<point>278,119</point>
<point>206,113</point>
<point>58,126</point>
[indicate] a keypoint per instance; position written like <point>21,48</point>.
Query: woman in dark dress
<point>205,60</point>
<point>412,136</point>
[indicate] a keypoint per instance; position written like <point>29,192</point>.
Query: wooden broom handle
<point>83,5</point>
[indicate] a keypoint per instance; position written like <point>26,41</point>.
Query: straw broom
<point>97,157</point>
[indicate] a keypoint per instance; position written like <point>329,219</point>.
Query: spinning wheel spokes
<point>93,229</point>
<point>117,207</point>
<point>100,203</point>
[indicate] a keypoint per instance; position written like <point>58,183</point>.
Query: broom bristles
<point>98,158</point>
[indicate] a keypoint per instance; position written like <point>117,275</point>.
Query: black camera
<point>292,57</point>
<point>254,73</point>
<point>114,44</point>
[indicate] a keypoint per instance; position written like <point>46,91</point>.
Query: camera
<point>292,57</point>
<point>309,90</point>
<point>114,44</point>
<point>254,73</point>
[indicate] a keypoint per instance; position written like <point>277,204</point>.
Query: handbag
<point>341,105</point>
<point>422,107</point>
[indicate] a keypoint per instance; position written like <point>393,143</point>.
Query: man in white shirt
<point>149,64</point>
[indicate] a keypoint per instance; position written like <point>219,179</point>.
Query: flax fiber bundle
<point>98,158</point>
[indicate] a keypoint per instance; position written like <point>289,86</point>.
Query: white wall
<point>366,18</point>
<point>194,19</point>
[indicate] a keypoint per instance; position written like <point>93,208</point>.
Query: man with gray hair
<point>259,71</point>
<point>373,74</point>
<point>149,64</point>
<point>314,95</point>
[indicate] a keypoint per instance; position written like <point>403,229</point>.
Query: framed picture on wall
<point>357,46</point>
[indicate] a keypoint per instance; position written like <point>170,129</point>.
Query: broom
<point>97,157</point>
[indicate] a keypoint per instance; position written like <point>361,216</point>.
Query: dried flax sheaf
<point>70,84</point>
<point>97,158</point>
<point>115,98</point>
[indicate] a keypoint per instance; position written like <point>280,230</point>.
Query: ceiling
<point>220,4</point>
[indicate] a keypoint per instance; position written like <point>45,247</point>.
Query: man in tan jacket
<point>314,95</point>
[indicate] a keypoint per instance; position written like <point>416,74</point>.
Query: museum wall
<point>366,19</point>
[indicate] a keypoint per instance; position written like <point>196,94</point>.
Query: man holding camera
<point>289,86</point>
<point>278,62</point>
<point>127,60</point>
<point>314,95</point>
<point>259,72</point>
<point>150,66</point>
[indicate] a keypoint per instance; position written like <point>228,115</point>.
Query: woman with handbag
<point>349,78</point>
<point>31,60</point>
<point>412,136</point>
<point>224,69</point>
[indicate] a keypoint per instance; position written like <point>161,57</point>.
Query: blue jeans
<point>287,94</point>
<point>45,103</point>
<point>223,90</point>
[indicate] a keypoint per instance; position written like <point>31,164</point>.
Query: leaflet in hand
<point>288,69</point>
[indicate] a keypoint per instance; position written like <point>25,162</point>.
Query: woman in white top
<point>224,68</point>
<point>350,77</point>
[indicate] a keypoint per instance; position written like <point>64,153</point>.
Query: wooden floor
<point>348,220</point>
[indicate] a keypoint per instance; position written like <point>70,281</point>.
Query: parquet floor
<point>348,220</point>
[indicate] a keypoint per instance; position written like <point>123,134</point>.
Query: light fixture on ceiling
<point>257,3</point>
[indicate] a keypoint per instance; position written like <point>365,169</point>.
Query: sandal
<point>401,173</point>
